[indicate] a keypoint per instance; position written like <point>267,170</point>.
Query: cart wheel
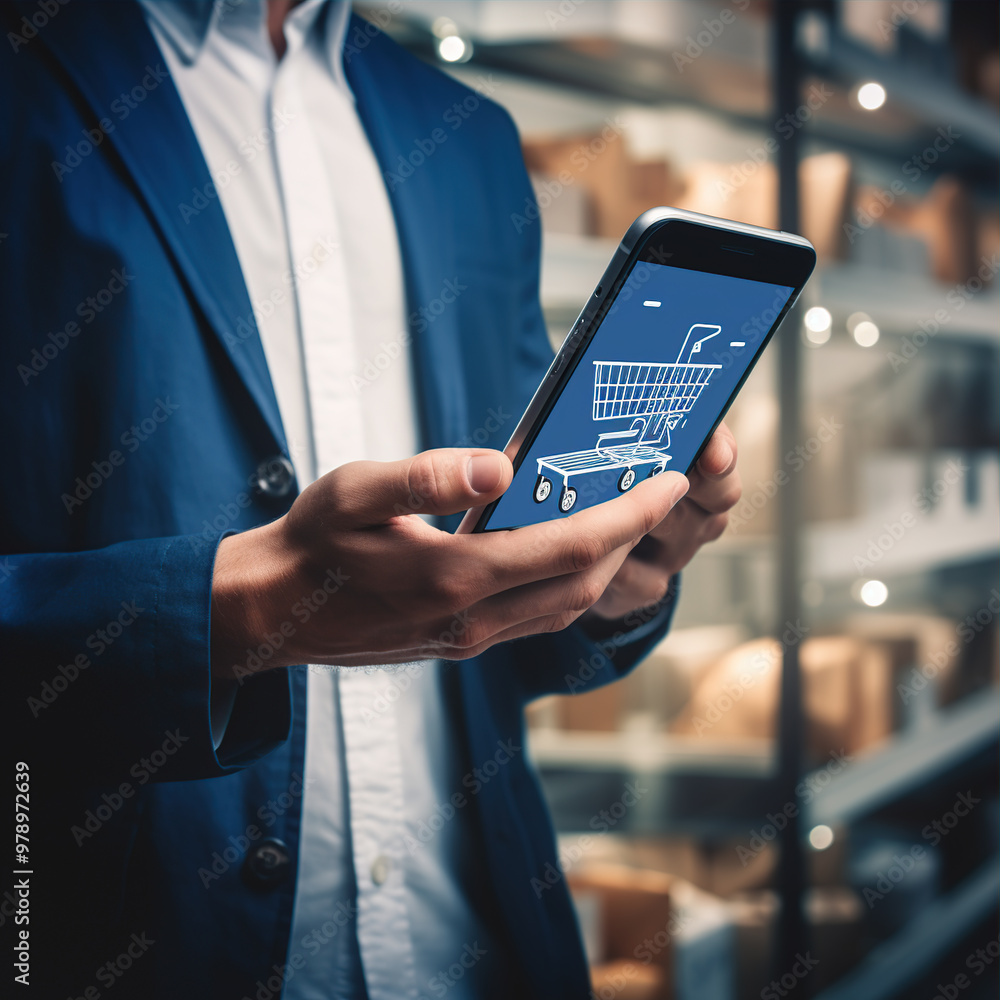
<point>656,470</point>
<point>567,499</point>
<point>543,487</point>
<point>626,480</point>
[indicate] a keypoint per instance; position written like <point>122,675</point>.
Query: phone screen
<point>647,390</point>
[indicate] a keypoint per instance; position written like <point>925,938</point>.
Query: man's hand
<point>699,518</point>
<point>350,576</point>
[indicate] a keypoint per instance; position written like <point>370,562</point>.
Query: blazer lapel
<point>109,52</point>
<point>388,113</point>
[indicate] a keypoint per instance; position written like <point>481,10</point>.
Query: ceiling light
<point>871,96</point>
<point>866,333</point>
<point>874,593</point>
<point>452,48</point>
<point>820,837</point>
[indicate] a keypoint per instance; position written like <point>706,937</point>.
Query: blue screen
<point>646,392</point>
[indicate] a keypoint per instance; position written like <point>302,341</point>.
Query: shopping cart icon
<point>657,397</point>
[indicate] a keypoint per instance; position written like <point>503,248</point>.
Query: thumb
<point>442,481</point>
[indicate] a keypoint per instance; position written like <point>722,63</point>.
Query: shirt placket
<point>373,767</point>
<point>319,277</point>
<point>376,796</point>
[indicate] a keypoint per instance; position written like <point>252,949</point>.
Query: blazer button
<point>268,864</point>
<point>275,476</point>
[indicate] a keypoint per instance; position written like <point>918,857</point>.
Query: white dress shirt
<point>380,908</point>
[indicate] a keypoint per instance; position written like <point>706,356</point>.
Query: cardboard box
<point>749,193</point>
<point>848,695</point>
<point>598,711</point>
<point>661,938</point>
<point>634,906</point>
<point>629,981</point>
<point>944,220</point>
<point>617,188</point>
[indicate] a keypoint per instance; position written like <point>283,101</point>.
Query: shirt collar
<point>187,23</point>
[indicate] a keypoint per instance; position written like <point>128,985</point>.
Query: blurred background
<point>797,794</point>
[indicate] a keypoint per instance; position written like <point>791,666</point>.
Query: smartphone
<point>652,363</point>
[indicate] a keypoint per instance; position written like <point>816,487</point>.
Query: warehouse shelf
<point>928,937</point>
<point>925,95</point>
<point>833,550</point>
<point>650,753</point>
<point>909,760</point>
<point>712,785</point>
<point>898,301</point>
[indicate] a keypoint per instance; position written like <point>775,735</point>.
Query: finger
<point>714,496</point>
<point>569,593</point>
<point>576,543</point>
<point>637,583</point>
<point>443,481</point>
<point>719,457</point>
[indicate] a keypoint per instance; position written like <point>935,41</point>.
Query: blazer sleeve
<point>106,657</point>
<point>573,661</point>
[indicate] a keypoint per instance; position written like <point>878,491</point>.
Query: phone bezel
<point>672,238</point>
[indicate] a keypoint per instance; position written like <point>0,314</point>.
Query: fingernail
<point>485,473</point>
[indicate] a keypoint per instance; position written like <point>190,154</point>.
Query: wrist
<point>246,582</point>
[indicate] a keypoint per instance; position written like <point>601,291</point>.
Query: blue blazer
<point>137,407</point>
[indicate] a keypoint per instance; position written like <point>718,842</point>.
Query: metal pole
<point>791,936</point>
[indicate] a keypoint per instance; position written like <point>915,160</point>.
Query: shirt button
<point>380,869</point>
<point>267,864</point>
<point>274,476</point>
